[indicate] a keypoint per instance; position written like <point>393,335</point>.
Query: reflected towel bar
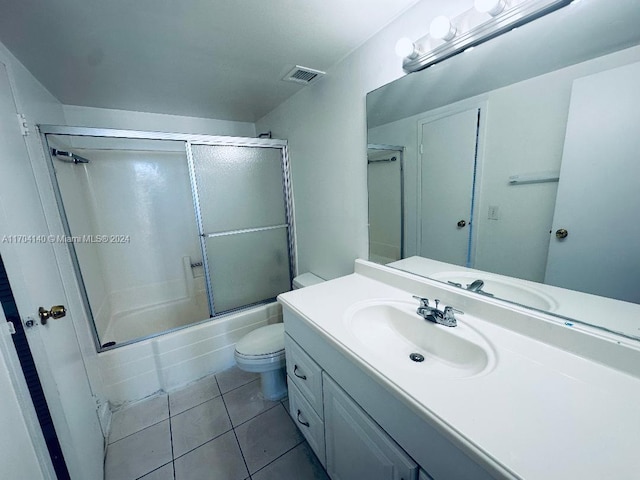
<point>383,160</point>
<point>540,177</point>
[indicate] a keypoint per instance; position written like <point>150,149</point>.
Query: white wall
<point>325,125</point>
<point>154,122</point>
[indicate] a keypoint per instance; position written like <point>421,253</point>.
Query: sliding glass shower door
<point>242,214</point>
<point>167,230</point>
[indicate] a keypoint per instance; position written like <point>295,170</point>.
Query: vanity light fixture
<point>441,28</point>
<point>492,7</point>
<point>405,48</point>
<point>488,19</point>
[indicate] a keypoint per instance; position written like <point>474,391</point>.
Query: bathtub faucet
<point>444,317</point>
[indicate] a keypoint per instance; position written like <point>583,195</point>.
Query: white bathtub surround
<point>135,371</point>
<point>556,402</point>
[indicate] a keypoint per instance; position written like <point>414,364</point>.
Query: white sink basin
<point>392,331</point>
<point>513,292</point>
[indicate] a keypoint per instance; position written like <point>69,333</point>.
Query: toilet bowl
<point>262,350</point>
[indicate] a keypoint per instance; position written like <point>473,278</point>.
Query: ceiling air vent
<point>303,75</point>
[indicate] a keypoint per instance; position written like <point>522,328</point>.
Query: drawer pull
<point>306,424</point>
<point>295,372</point>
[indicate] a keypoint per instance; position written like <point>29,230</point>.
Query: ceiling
<point>219,59</point>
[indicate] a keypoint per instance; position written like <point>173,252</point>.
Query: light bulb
<point>442,28</point>
<point>492,7</point>
<point>405,48</point>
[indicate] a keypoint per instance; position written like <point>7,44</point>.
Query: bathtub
<point>174,359</point>
<point>152,320</point>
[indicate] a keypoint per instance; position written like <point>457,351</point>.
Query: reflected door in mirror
<point>385,184</point>
<point>448,165</point>
<point>598,201</point>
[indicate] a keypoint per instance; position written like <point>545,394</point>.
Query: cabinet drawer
<point>304,373</point>
<point>307,420</point>
<point>356,446</point>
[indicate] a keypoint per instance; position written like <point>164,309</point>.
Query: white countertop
<point>540,413</point>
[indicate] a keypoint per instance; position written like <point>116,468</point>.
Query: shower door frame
<point>188,139</point>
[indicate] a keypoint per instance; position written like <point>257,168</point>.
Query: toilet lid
<point>262,341</point>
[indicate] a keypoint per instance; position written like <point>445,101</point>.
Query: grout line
<point>171,438</point>
<point>244,460</point>
<point>239,386</point>
<point>258,414</point>
<point>198,405</point>
<point>142,429</point>
<point>161,466</point>
<point>190,385</point>
<point>282,455</point>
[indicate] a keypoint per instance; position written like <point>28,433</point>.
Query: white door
<point>449,151</point>
<point>23,452</point>
<point>35,278</point>
<point>599,191</point>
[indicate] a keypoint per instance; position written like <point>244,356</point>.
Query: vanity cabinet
<point>347,441</point>
<point>357,427</point>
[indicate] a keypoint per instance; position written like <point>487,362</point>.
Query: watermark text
<point>65,239</point>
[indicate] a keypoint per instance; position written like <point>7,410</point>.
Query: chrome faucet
<point>444,317</point>
<point>476,286</point>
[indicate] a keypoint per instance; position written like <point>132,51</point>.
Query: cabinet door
<point>356,446</point>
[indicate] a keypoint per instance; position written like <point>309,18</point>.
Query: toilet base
<point>274,384</point>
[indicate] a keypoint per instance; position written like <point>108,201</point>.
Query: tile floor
<point>217,428</point>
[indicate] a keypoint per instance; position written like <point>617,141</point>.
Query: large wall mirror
<point>521,157</point>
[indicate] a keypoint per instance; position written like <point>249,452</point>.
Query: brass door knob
<point>461,223</point>
<point>561,233</point>
<point>57,311</point>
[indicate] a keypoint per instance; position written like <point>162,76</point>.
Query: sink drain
<point>416,357</point>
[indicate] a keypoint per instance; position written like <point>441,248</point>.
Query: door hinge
<point>12,329</point>
<point>24,126</point>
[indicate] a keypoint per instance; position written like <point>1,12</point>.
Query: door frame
<point>481,103</point>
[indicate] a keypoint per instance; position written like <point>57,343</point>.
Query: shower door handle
<point>57,311</point>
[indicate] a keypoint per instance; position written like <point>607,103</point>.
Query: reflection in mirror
<point>384,180</point>
<point>551,185</point>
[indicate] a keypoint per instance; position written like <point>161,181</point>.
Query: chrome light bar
<point>479,29</point>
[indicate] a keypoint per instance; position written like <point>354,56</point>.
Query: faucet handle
<point>424,302</point>
<point>449,310</point>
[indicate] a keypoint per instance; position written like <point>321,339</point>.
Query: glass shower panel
<point>239,187</point>
<point>248,268</point>
<point>129,216</point>
<point>243,221</point>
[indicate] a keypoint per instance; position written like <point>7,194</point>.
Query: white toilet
<point>262,350</point>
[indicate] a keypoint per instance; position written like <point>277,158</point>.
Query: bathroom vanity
<point>507,393</point>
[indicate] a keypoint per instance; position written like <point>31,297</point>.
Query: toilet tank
<point>306,280</point>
